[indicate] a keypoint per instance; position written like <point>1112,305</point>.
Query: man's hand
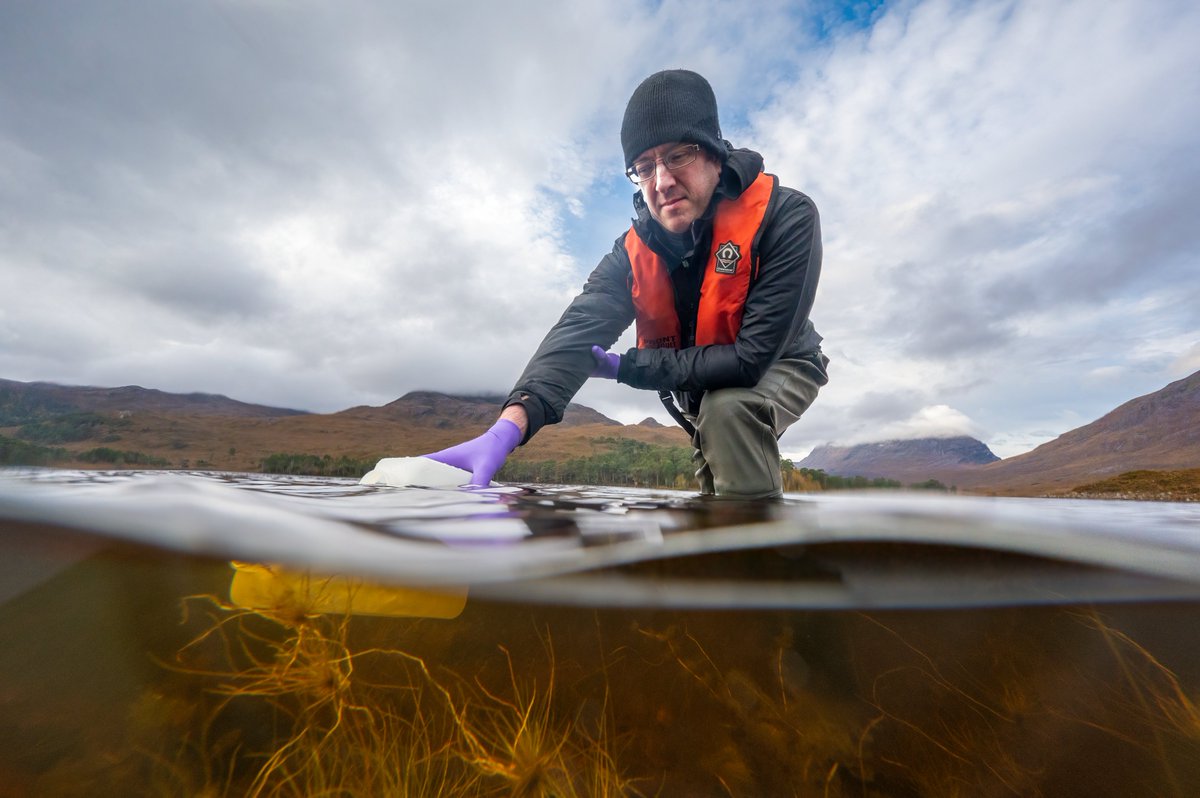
<point>607,364</point>
<point>484,455</point>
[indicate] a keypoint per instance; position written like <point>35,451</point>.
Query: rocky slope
<point>1158,431</point>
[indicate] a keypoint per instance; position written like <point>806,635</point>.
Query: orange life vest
<point>727,275</point>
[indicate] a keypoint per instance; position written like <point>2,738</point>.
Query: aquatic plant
<point>286,700</point>
<point>290,671</point>
<point>1156,701</point>
<point>779,737</point>
<point>406,730</point>
<point>1003,702</point>
<point>1010,713</point>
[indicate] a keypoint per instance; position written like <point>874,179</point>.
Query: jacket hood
<point>740,170</point>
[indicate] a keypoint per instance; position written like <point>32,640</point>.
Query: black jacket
<point>775,323</point>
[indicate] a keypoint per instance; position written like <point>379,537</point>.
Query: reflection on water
<point>137,671</point>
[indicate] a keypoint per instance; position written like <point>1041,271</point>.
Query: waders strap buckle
<point>669,404</point>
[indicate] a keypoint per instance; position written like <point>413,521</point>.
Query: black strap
<point>669,403</point>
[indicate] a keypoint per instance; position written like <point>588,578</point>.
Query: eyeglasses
<point>645,170</point>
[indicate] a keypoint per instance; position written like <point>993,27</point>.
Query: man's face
<point>676,198</point>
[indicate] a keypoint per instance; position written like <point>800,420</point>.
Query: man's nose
<point>663,177</point>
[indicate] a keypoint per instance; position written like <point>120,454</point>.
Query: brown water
<point>129,672</point>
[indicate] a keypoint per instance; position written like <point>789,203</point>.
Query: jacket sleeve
<point>563,361</point>
<point>776,314</point>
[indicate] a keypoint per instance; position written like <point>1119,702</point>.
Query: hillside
<point>1156,432</point>
<point>21,402</point>
<point>445,411</point>
<point>908,461</point>
<point>1168,486</point>
<point>213,432</point>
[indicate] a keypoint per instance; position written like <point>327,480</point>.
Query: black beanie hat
<point>672,105</point>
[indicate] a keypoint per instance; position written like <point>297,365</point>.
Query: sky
<point>324,205</point>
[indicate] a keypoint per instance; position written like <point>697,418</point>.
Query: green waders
<point>738,429</point>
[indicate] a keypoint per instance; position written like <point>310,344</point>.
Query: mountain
<point>908,461</point>
<point>215,432</point>
<point>21,402</point>
<point>1158,431</point>
<point>448,411</point>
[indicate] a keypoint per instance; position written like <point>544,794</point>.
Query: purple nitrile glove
<point>484,455</point>
<point>607,364</point>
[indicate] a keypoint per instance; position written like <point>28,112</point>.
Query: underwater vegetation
<point>313,690</point>
<point>369,721</point>
<point>285,701</point>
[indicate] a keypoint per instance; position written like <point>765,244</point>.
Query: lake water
<point>230,635</point>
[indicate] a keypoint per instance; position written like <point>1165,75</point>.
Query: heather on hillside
<point>1173,486</point>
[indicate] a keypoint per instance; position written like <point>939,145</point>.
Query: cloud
<point>320,187</point>
<point>931,421</point>
<point>1002,186</point>
<point>371,197</point>
<point>1188,362</point>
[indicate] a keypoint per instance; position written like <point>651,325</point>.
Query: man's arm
<point>776,312</point>
<point>563,361</point>
<point>517,415</point>
<point>597,316</point>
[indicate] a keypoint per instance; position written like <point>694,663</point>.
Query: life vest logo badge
<point>727,255</point>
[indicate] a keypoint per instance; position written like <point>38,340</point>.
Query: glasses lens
<point>681,157</point>
<point>642,171</point>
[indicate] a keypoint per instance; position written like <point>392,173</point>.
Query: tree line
<point>15,452</point>
<point>636,464</point>
<point>628,463</point>
<point>72,427</point>
<point>316,465</point>
<point>624,463</point>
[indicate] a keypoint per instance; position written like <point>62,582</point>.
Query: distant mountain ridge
<point>447,411</point>
<point>1158,431</point>
<point>912,460</point>
<point>214,432</point>
<point>27,401</point>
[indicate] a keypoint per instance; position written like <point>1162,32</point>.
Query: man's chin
<point>675,222</point>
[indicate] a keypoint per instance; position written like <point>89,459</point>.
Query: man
<point>718,271</point>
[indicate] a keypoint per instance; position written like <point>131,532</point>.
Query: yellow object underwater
<point>267,587</point>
